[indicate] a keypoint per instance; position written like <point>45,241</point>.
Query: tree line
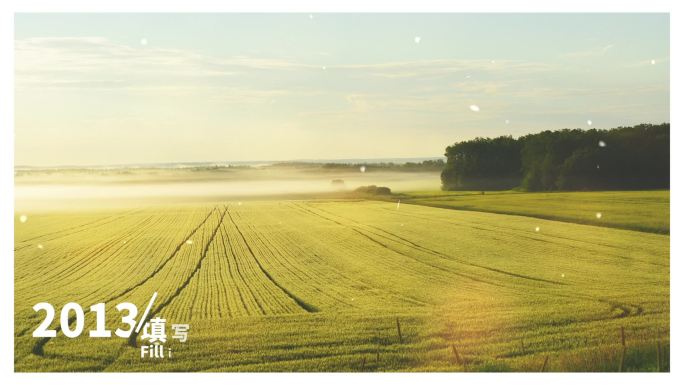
<point>635,157</point>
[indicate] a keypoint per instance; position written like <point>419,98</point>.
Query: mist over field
<point>66,189</point>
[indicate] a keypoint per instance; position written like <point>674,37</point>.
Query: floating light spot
<point>143,41</point>
<point>653,61</point>
<point>239,203</point>
<point>562,275</point>
<point>398,203</point>
<point>311,17</point>
<point>601,143</point>
<point>493,61</point>
<point>416,39</point>
<point>597,167</point>
<point>124,242</point>
<point>508,121</point>
<point>536,229</point>
<point>589,122</point>
<point>324,68</point>
<point>467,76</point>
<point>362,168</point>
<point>598,215</point>
<point>474,108</point>
<point>40,246</point>
<point>189,241</point>
<point>23,218</point>
<point>402,225</point>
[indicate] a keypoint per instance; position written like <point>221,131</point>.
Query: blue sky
<point>131,88</point>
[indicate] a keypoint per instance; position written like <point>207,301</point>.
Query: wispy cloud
<point>442,67</point>
<point>591,52</point>
<point>98,62</point>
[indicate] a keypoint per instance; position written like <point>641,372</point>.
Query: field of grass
<point>351,285</point>
<point>635,210</point>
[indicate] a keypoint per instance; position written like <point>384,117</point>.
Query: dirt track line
<point>243,273</point>
<point>132,340</point>
<point>574,240</point>
<point>38,348</point>
<point>104,221</point>
<point>439,254</point>
<point>306,306</point>
<point>444,269</point>
<point>286,261</point>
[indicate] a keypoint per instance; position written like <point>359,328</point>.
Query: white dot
<point>124,242</point>
<point>601,143</point>
<point>653,61</point>
<point>536,229</point>
<point>189,241</point>
<point>311,16</point>
<point>362,168</point>
<point>493,61</point>
<point>467,76</point>
<point>508,121</point>
<point>598,215</point>
<point>562,275</point>
<point>239,203</point>
<point>589,122</point>
<point>23,219</point>
<point>324,68</point>
<point>417,39</point>
<point>143,41</point>
<point>474,108</point>
<point>597,167</point>
<point>40,247</point>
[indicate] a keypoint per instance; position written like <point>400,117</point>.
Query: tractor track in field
<point>82,227</point>
<point>399,252</point>
<point>132,340</point>
<point>304,305</point>
<point>613,247</point>
<point>626,310</point>
<point>437,253</point>
<point>400,296</point>
<point>242,276</point>
<point>38,347</point>
<point>73,271</point>
<point>304,275</point>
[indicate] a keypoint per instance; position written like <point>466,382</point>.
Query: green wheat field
<point>438,282</point>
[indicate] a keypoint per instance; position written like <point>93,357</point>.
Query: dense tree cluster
<point>374,190</point>
<point>620,158</point>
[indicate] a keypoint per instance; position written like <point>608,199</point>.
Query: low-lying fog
<point>36,190</point>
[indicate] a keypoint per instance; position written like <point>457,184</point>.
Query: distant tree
<point>482,163</point>
<point>620,158</point>
<point>374,190</point>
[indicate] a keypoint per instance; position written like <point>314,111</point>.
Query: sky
<point>98,89</point>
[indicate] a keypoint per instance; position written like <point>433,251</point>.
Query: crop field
<point>634,210</point>
<point>346,285</point>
